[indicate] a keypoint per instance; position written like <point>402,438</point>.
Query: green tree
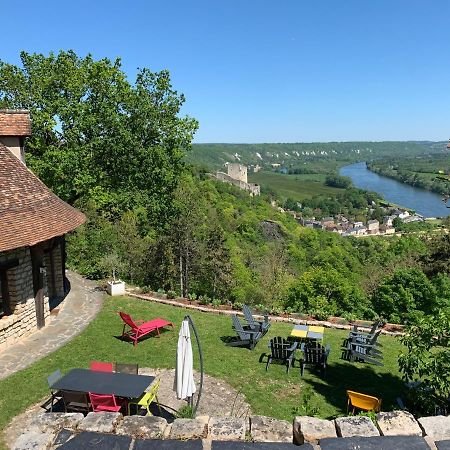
<point>214,277</point>
<point>97,136</point>
<point>325,292</point>
<point>274,275</point>
<point>426,362</point>
<point>185,230</point>
<point>438,259</point>
<point>338,181</point>
<point>131,246</point>
<point>400,296</point>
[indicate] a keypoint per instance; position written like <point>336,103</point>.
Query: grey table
<point>120,384</point>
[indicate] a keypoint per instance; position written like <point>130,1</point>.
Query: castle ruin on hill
<point>237,175</point>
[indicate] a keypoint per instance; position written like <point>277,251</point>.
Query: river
<point>426,203</point>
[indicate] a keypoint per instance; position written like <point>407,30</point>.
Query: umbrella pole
<point>191,323</point>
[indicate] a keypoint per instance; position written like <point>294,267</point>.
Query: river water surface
<point>423,202</point>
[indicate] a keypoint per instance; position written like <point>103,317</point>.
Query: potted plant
<point>112,263</point>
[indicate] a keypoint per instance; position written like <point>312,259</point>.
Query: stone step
<point>98,441</point>
<point>234,445</point>
<point>375,443</point>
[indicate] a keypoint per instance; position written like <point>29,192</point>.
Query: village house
<point>386,229</point>
<point>413,218</point>
<point>328,222</point>
<point>373,227</point>
<point>33,223</point>
<point>389,221</point>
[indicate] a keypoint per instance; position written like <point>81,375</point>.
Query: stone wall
<point>254,189</point>
<point>56,254</point>
<point>22,320</point>
<point>237,171</point>
<point>393,430</point>
<point>59,277</point>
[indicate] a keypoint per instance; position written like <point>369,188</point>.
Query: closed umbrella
<point>184,375</point>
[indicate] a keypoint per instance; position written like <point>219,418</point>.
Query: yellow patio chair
<point>146,399</point>
<point>363,401</point>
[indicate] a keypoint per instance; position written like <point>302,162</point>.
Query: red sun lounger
<point>137,329</point>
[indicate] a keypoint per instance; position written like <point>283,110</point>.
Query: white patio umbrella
<point>184,374</point>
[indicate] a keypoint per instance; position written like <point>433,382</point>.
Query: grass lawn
<point>273,393</point>
<point>297,187</point>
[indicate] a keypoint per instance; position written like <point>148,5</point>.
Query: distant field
<point>297,187</point>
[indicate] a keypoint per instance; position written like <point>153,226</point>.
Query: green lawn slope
<point>273,393</point>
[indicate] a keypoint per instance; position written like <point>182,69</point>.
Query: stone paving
<point>218,398</point>
<point>76,311</point>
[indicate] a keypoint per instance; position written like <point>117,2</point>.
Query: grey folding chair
<point>55,393</point>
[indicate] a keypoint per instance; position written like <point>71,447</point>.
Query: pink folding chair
<point>106,402</point>
<point>101,366</point>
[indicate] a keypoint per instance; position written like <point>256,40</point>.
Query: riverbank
<point>423,202</point>
<point>430,173</point>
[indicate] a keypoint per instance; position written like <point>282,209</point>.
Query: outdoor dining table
<point>120,384</point>
<point>308,332</point>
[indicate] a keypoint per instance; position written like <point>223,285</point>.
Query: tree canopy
<point>97,136</point>
<point>426,362</point>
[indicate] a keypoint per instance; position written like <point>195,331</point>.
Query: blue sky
<point>266,71</point>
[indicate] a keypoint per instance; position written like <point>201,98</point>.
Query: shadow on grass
<point>234,341</point>
<point>358,377</point>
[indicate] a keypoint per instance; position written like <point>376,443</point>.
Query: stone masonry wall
<point>392,430</point>
<point>22,321</point>
<point>56,253</point>
<point>253,188</point>
<point>238,172</point>
<point>59,279</point>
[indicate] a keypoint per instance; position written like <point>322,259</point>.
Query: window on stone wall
<point>4,294</point>
<point>2,309</point>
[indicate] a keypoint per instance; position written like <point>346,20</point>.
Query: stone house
<point>389,221</point>
<point>373,226</point>
<point>328,222</point>
<point>33,223</point>
<point>386,229</point>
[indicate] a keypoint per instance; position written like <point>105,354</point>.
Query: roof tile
<point>29,211</point>
<point>15,122</point>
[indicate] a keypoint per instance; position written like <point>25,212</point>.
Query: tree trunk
<point>186,269</point>
<point>181,276</point>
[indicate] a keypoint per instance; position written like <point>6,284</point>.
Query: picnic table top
<point>308,331</point>
<point>120,384</point>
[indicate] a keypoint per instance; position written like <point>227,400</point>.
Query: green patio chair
<point>363,351</point>
<point>253,324</point>
<point>282,351</point>
<point>245,338</point>
<point>313,353</point>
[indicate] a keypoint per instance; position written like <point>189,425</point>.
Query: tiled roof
<point>29,211</point>
<point>15,122</point>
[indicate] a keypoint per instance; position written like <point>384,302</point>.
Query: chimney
<point>15,126</point>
